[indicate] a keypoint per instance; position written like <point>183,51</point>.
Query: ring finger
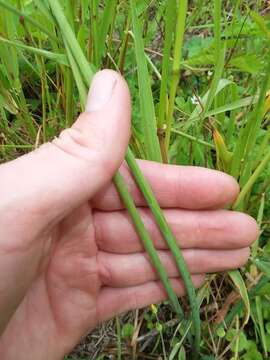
<point>135,269</point>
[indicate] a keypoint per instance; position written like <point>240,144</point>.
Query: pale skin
<point>69,255</point>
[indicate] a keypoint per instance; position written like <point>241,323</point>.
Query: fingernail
<point>101,90</point>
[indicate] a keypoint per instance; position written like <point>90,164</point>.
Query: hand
<point>69,255</point>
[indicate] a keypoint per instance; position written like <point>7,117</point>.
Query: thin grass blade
<point>238,281</point>
<point>148,117</point>
<point>176,66</point>
<point>68,35</point>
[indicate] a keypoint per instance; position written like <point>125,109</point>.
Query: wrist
<point>24,343</point>
<point>25,348</point>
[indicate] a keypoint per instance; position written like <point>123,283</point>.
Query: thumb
<point>56,178</point>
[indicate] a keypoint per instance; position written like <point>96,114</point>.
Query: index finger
<point>187,187</point>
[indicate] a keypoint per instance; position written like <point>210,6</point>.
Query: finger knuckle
<point>73,142</point>
<point>245,256</point>
<point>105,271</point>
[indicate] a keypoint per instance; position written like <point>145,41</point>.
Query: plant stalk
<point>146,240</point>
<point>177,56</point>
<point>171,241</point>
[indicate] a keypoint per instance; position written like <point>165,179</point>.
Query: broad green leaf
<point>182,354</point>
<point>250,100</point>
<point>263,266</point>
<point>127,330</point>
<point>247,63</point>
<point>259,20</point>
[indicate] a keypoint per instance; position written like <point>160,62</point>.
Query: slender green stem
<point>106,24</point>
<point>217,28</point>
<point>71,14</point>
<point>14,146</point>
<point>179,37</point>
<point>138,223</point>
<point>193,138</point>
<point>94,30</point>
<point>71,40</point>
<point>163,97</point>
<point>43,100</point>
<point>171,241</point>
<point>77,76</point>
<point>169,29</point>
<point>124,46</point>
<point>146,240</point>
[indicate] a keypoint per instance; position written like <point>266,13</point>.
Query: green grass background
<point>200,90</point>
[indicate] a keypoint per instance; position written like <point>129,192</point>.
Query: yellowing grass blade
<point>224,157</point>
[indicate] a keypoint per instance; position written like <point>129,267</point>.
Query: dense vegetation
<point>199,78</point>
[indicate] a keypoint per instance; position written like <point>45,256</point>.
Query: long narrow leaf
<point>177,57</point>
<point>251,181</point>
<point>148,117</point>
<point>59,58</point>
<point>107,19</point>
<point>169,30</point>
<point>71,40</point>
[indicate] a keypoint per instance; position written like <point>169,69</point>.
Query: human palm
<point>72,257</point>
